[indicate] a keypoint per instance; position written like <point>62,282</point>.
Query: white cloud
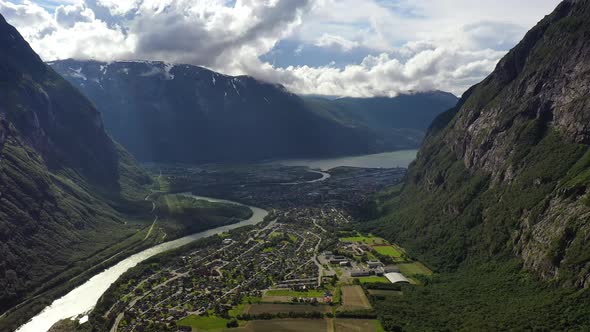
<point>327,40</point>
<point>416,45</point>
<point>68,15</point>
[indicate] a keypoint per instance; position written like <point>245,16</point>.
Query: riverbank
<point>82,299</point>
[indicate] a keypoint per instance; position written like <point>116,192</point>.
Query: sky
<point>357,48</point>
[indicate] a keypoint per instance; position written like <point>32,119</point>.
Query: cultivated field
<point>292,293</point>
<point>357,325</point>
<point>415,268</point>
<point>373,279</point>
<point>272,308</point>
<point>387,251</point>
<point>273,299</point>
<point>287,325</point>
<point>370,240</point>
<point>198,323</point>
<point>354,298</point>
<point>286,295</point>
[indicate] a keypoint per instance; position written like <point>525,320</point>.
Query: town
<point>303,265</point>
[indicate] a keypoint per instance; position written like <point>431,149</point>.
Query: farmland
<point>319,325</point>
<point>354,325</point>
<point>292,293</point>
<point>272,308</point>
<point>354,298</point>
<point>387,251</point>
<point>415,268</point>
<point>203,323</point>
<point>370,240</point>
<point>373,279</point>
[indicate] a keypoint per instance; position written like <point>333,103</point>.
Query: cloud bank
<point>413,45</point>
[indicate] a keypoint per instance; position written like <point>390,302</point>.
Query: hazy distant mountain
<point>399,122</point>
<point>60,174</point>
<point>182,113</point>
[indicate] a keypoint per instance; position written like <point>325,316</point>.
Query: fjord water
<point>83,298</point>
<point>381,160</point>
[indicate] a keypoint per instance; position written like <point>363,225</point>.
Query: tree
<point>232,323</point>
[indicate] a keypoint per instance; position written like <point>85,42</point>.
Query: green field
<point>275,234</point>
<point>203,323</point>
<point>274,308</point>
<point>370,240</point>
<point>373,279</point>
<point>288,292</point>
<point>416,268</point>
<point>237,310</point>
<point>388,251</point>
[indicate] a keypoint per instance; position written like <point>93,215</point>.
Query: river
<point>381,160</point>
<point>84,297</point>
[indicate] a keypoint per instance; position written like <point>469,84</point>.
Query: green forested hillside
<point>63,182</point>
<point>504,177</point>
<point>398,123</point>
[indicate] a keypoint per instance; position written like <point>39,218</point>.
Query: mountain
<point>398,122</point>
<point>62,179</point>
<point>182,113</point>
<point>498,199</point>
<point>507,172</point>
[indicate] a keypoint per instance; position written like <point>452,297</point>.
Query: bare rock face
<point>508,171</point>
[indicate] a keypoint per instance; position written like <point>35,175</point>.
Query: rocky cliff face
<point>60,173</point>
<point>507,171</point>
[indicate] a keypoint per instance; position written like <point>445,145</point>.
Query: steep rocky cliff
<point>61,176</point>
<point>506,172</point>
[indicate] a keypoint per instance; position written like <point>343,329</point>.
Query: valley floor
<point>287,270</point>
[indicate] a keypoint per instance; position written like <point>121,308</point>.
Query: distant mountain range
<point>182,113</point>
<point>62,179</point>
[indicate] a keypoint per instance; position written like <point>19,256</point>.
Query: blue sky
<point>336,47</point>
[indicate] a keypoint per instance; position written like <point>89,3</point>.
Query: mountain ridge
<point>190,108</point>
<point>60,198</point>
<point>504,173</point>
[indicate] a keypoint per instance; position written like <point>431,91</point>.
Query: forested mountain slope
<point>62,178</point>
<point>184,113</point>
<point>398,122</point>
<point>507,172</point>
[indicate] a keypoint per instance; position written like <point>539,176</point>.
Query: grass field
<point>289,325</point>
<point>203,323</point>
<point>272,308</point>
<point>354,298</point>
<point>370,240</point>
<point>357,325</point>
<point>388,251</point>
<point>371,279</point>
<point>411,269</point>
<point>292,293</point>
